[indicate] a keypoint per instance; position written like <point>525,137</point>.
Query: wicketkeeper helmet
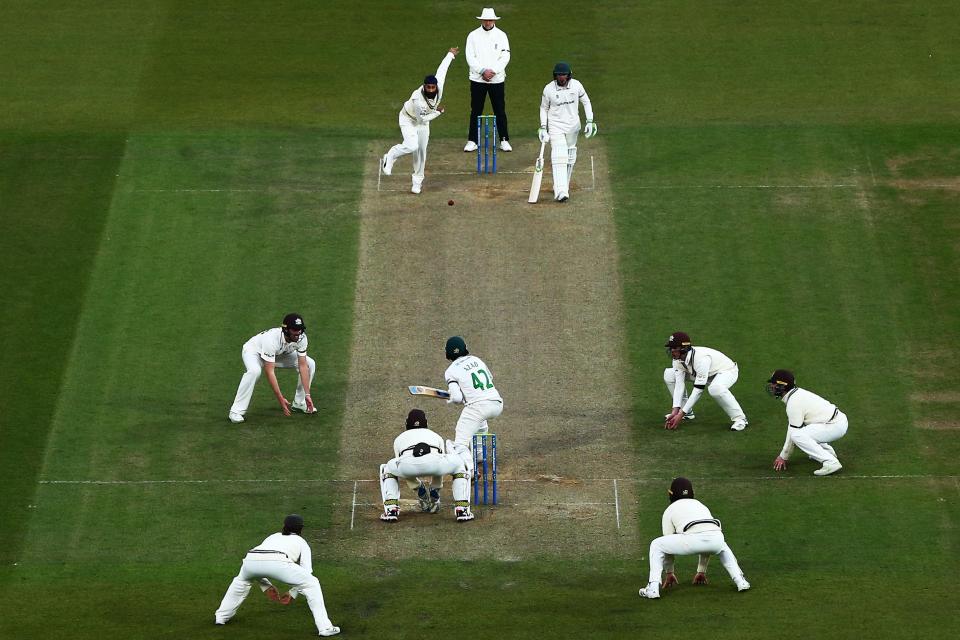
<point>456,348</point>
<point>416,419</point>
<point>781,382</point>
<point>680,488</point>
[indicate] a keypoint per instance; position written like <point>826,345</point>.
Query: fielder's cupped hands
<point>274,595</point>
<point>669,580</point>
<point>700,578</point>
<point>674,420</point>
<point>310,407</point>
<point>779,464</point>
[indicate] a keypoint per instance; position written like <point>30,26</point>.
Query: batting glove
<point>542,134</point>
<point>591,129</point>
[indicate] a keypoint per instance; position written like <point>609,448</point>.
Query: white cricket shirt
<point>803,408</point>
<point>419,108</point>
<point>412,437</point>
<point>560,107</point>
<point>680,514</point>
<point>293,546</point>
<point>487,50</point>
<point>272,343</point>
<point>474,379</point>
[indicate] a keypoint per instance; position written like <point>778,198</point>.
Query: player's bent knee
<point>668,375</point>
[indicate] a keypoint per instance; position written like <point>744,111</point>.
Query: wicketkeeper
<point>421,459</point>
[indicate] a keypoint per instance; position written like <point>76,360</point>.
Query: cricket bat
<point>537,177</point>
<point>417,390</point>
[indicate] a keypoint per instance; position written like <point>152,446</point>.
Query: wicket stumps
<point>481,470</point>
<point>486,143</point>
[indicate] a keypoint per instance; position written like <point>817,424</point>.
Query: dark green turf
<point>175,178</point>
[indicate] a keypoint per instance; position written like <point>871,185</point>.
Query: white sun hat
<point>488,14</point>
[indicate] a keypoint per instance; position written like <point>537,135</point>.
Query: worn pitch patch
<point>535,292</point>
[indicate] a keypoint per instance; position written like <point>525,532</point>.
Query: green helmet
<point>562,68</point>
<point>456,348</point>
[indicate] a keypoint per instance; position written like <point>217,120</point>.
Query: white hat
<point>488,14</point>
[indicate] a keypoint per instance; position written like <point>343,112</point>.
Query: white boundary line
<point>569,481</point>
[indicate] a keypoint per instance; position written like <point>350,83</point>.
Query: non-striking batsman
<point>485,467</point>
<point>486,143</point>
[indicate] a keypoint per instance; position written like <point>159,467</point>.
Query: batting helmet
<point>562,69</point>
<point>781,382</point>
<point>293,523</point>
<point>416,419</point>
<point>680,488</point>
<point>293,322</point>
<point>678,341</point>
<point>456,348</point>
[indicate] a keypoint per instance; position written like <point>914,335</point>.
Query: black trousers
<point>478,97</point>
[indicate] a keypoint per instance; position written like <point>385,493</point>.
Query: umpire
<point>488,53</point>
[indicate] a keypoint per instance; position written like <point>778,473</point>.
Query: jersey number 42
<point>486,383</point>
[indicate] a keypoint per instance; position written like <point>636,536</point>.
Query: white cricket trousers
<point>664,548</point>
<point>254,364</point>
<point>283,570</point>
<point>719,388</point>
<point>811,438</point>
<point>473,419</point>
<point>433,464</point>
<point>563,156</point>
<point>415,140</point>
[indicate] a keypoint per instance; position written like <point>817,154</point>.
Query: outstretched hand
<point>275,595</point>
<point>779,464</point>
<point>454,50</point>
<point>285,405</point>
<point>700,578</point>
<point>669,580</point>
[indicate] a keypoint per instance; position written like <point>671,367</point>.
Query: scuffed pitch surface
<point>535,292</point>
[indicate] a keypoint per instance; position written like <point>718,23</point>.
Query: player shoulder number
<point>486,383</point>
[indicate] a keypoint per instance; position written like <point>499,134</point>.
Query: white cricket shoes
<point>563,197</point>
<point>463,514</point>
<point>739,424</point>
<point>302,407</point>
<point>330,631</point>
<point>828,468</point>
<point>392,514</point>
<point>415,189</point>
<point>235,417</point>
<point>742,584</point>
<point>386,164</point>
<point>505,146</point>
<point>651,591</point>
<point>470,146</point>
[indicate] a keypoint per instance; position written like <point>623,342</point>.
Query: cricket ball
<point>450,203</point>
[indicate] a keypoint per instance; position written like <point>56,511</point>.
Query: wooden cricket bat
<point>537,177</point>
<point>417,390</point>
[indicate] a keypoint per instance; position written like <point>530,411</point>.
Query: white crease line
<point>744,186</point>
<point>616,501</point>
<point>567,482</point>
<point>353,505</point>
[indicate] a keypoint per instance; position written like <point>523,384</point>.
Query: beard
<point>430,94</point>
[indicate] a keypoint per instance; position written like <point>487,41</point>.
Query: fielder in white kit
<point>688,529</point>
<point>812,423</point>
<point>708,369</point>
<point>285,347</point>
<point>415,116</point>
<point>560,125</point>
<point>421,459</point>
<point>470,382</point>
<point>283,556</point>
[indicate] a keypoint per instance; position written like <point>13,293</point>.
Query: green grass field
<point>175,178</point>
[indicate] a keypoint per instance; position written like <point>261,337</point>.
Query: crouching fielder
<point>283,556</point>
<point>812,423</point>
<point>415,116</point>
<point>560,125</point>
<point>421,459</point>
<point>688,529</point>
